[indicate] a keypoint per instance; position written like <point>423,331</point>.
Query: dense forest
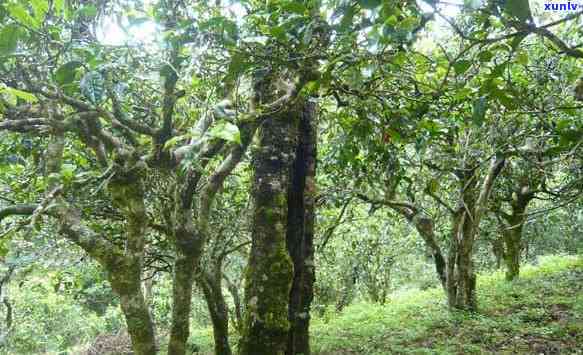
<point>270,177</point>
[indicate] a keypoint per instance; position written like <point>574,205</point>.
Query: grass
<point>541,313</point>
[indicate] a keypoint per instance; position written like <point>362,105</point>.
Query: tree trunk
<point>269,271</point>
<point>300,232</point>
<point>136,312</point>
<point>425,228</point>
<point>237,312</point>
<point>125,273</point>
<point>461,279</point>
<point>512,226</point>
<point>183,279</point>
<point>512,242</point>
<point>498,251</point>
<point>210,283</point>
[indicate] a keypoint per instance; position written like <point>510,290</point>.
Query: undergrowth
<point>541,313</point>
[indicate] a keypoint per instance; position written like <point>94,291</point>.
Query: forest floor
<point>541,313</point>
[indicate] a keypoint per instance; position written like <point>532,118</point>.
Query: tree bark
<point>300,232</point>
<point>513,249</point>
<point>269,271</point>
<point>183,279</point>
<point>461,277</point>
<point>237,311</point>
<point>512,231</point>
<point>211,286</point>
<point>125,274</point>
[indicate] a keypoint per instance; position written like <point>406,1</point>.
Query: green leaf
<point>89,11</point>
<point>20,13</point>
<point>485,56</point>
<point>308,34</point>
<point>175,140</point>
<point>8,39</point>
<point>66,72</point>
<point>479,110</point>
<point>93,87</point>
<point>278,32</point>
<point>369,4</point>
<point>40,8</point>
<point>522,58</point>
<point>461,66</point>
<point>348,17</point>
<point>519,9</point>
<point>26,96</point>
<point>498,70</point>
<point>295,7</point>
<point>226,131</point>
<point>517,40</point>
<point>68,172</point>
<point>432,186</point>
<point>239,63</point>
<point>58,6</point>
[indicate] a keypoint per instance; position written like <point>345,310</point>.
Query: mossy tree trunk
<point>188,249</point>
<point>210,282</point>
<point>269,273</point>
<point>237,314</point>
<point>512,225</point>
<point>123,265</point>
<point>461,277</point>
<point>300,231</point>
<point>125,275</point>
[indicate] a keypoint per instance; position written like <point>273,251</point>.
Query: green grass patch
<point>542,312</point>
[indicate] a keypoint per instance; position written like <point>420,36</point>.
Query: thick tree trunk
<point>136,312</point>
<point>269,273</point>
<point>125,274</point>
<point>123,266</point>
<point>300,232</point>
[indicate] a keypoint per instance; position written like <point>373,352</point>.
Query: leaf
<point>20,13</point>
<point>519,9</point>
<point>88,11</point>
<point>8,39</point>
<point>295,7</point>
<point>485,56</point>
<point>517,40</point>
<point>58,6</point>
<point>238,65</point>
<point>348,17</point>
<point>522,58</point>
<point>479,110</point>
<point>66,72</point>
<point>40,8</point>
<point>461,66</point>
<point>308,34</point>
<point>68,172</point>
<point>26,96</point>
<point>92,87</point>
<point>369,4</point>
<point>432,186</point>
<point>175,140</point>
<point>278,32</point>
<point>226,131</point>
